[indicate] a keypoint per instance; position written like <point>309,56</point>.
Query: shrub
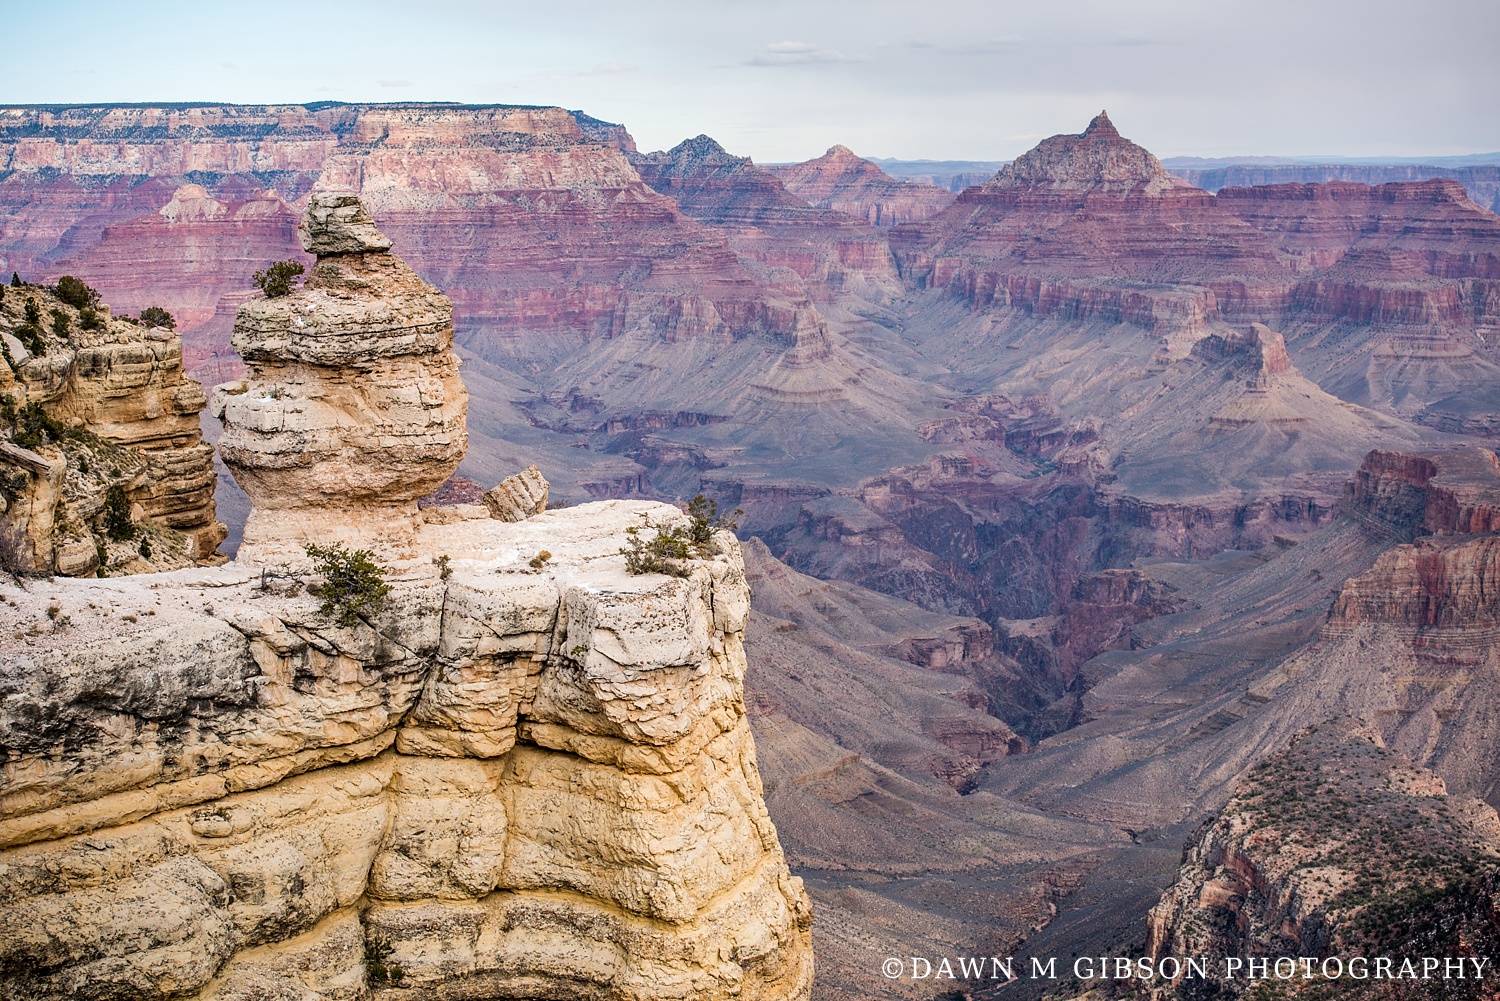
<point>276,280</point>
<point>76,294</point>
<point>539,560</point>
<point>29,335</point>
<point>707,520</point>
<point>33,312</point>
<point>155,316</point>
<point>89,319</point>
<point>60,323</point>
<point>660,555</point>
<point>31,426</point>
<point>377,955</point>
<point>353,583</point>
<point>15,280</point>
<point>117,523</point>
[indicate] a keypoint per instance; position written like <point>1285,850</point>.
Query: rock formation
<point>510,768</point>
<point>352,406</point>
<point>767,223</point>
<point>1335,848</point>
<point>847,183</point>
<point>518,497</point>
<point>102,466</point>
<point>510,781</point>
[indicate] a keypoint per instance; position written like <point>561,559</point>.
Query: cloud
<point>394,83</point>
<point>796,53</point>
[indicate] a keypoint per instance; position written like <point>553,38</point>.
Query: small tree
<point>60,323</point>
<point>76,294</point>
<point>276,280</point>
<point>117,523</point>
<point>33,312</point>
<point>15,280</point>
<point>353,583</point>
<point>707,520</point>
<point>155,316</point>
<point>89,318</point>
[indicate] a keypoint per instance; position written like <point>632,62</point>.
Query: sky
<point>782,80</point>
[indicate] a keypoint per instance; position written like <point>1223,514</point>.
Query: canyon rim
<point>1112,566</point>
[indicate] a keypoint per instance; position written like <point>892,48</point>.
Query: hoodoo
<point>352,406</point>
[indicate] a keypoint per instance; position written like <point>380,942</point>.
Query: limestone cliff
<point>523,771</point>
<point>102,466</point>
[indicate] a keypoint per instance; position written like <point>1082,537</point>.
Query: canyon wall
<point>102,466</point>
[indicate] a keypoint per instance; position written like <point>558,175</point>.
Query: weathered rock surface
<point>548,786</point>
<point>847,183</point>
<point>1339,848</point>
<point>518,497</point>
<point>352,406</point>
<point>102,466</point>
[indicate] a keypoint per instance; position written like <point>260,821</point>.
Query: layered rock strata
<point>510,782</point>
<point>352,407</point>
<point>847,183</point>
<point>499,765</point>
<point>102,466</point>
<point>1335,848</point>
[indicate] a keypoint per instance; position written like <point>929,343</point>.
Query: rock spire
<point>352,406</point>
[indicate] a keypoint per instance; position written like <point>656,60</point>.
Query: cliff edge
<point>523,772</point>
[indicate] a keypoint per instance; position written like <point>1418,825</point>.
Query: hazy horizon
<point>781,81</point>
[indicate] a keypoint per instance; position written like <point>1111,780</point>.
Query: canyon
<point>1067,498</point>
<point>496,763</point>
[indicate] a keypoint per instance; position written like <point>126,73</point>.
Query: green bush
<point>29,335</point>
<point>117,523</point>
<point>659,555</point>
<point>15,280</point>
<point>155,316</point>
<point>353,583</point>
<point>707,520</point>
<point>30,425</point>
<point>33,312</point>
<point>60,323</point>
<point>90,319</point>
<point>377,962</point>
<point>76,294</point>
<point>276,280</point>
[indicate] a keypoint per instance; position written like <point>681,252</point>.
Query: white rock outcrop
<point>522,782</point>
<point>352,406</point>
<point>525,773</point>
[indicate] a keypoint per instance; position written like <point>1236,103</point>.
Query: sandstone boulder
<point>518,497</point>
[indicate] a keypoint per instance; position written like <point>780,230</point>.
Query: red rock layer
<point>1080,209</point>
<point>1434,493</point>
<point>531,215</point>
<point>1411,253</point>
<point>766,222</point>
<point>844,182</point>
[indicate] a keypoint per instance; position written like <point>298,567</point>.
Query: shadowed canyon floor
<point>1067,498</point>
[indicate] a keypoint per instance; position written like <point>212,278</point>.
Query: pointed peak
<point>1098,156</point>
<point>1101,128</point>
<point>840,152</point>
<point>699,145</point>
